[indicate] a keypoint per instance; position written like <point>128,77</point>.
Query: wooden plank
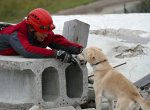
<point>143,81</point>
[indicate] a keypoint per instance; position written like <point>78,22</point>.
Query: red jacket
<point>15,40</point>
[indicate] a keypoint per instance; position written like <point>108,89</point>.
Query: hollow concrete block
<point>45,82</point>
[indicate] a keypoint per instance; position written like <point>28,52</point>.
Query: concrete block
<point>63,108</point>
<point>45,82</point>
<point>89,109</point>
<point>76,31</point>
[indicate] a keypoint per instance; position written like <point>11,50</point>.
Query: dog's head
<point>91,55</point>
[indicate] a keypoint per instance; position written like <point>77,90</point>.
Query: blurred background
<point>15,10</point>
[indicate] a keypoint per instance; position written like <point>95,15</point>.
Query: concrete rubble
<point>45,82</point>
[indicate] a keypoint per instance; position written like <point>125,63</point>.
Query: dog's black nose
<point>82,62</point>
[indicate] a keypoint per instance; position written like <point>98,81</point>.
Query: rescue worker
<point>30,38</point>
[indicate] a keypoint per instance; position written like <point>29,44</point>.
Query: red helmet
<point>41,20</point>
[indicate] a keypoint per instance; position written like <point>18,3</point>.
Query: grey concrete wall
<point>45,82</point>
<point>128,7</point>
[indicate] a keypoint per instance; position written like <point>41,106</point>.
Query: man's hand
<point>74,50</point>
<point>64,56</point>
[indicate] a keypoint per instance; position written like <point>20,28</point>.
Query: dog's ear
<point>99,49</point>
<point>93,58</point>
<point>92,55</point>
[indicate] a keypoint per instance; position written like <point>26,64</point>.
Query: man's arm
<point>22,46</point>
<point>60,42</point>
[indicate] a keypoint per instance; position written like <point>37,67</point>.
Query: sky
<point>122,37</point>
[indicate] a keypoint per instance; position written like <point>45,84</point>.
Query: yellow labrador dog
<point>111,84</point>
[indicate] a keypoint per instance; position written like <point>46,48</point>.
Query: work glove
<point>75,50</point>
<point>65,57</point>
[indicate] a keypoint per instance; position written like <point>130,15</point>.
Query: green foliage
<point>16,10</point>
<point>144,7</point>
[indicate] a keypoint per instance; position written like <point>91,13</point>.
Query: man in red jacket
<point>30,38</point>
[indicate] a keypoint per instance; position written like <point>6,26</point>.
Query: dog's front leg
<point>111,104</point>
<point>98,100</point>
<point>98,97</point>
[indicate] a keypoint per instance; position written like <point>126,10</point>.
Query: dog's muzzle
<point>82,62</point>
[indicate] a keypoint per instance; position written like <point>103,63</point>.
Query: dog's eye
<point>82,54</point>
<point>76,56</point>
<point>82,62</point>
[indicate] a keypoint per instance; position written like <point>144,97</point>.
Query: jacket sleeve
<point>60,42</point>
<point>22,46</point>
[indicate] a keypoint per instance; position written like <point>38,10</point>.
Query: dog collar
<point>98,62</point>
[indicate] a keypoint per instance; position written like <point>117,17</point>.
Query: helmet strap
<point>30,28</point>
<point>31,31</point>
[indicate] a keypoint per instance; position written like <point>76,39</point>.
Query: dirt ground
<point>95,7</point>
